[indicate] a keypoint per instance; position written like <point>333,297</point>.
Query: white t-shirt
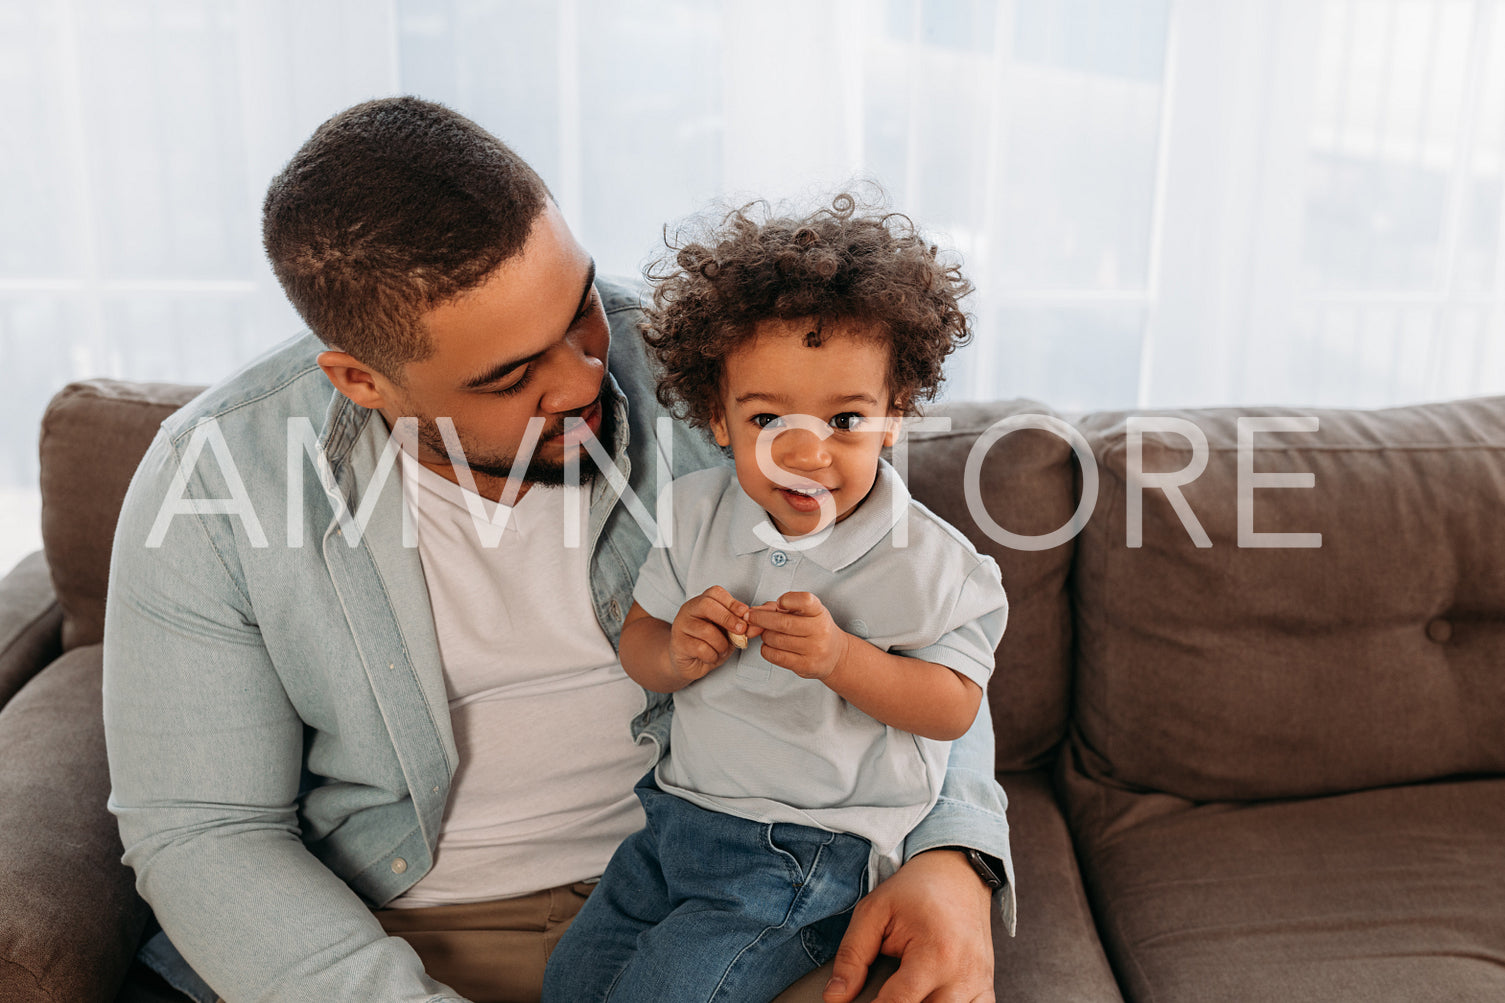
<point>539,702</point>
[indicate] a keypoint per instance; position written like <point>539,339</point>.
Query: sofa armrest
<point>70,918</point>
<point>1056,955</point>
<point>31,624</point>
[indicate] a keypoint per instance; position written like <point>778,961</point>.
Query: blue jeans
<point>702,907</point>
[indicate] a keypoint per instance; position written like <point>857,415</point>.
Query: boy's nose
<point>800,449</point>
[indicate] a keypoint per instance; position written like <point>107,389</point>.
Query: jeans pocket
<point>799,846</point>
<point>821,938</point>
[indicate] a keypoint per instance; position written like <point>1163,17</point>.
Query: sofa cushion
<point>1234,673</point>
<point>94,433</point>
<point>1055,956</point>
<point>72,914</point>
<point>1390,895</point>
<point>30,624</point>
<point>1025,481</point>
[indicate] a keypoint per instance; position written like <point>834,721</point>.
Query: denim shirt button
<point>778,558</point>
<point>615,609</point>
<point>399,865</point>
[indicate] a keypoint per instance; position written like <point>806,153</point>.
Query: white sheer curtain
<point>1162,202</point>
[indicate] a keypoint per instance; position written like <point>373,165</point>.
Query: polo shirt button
<point>399,865</point>
<point>778,558</point>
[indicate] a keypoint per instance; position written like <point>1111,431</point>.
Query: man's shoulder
<point>620,294</point>
<point>283,382</point>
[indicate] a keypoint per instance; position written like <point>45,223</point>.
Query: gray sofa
<point>1235,773</point>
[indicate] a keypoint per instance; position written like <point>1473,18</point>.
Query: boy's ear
<point>719,429</point>
<point>894,424</point>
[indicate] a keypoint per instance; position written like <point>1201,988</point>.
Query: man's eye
<point>768,421</point>
<point>847,421</point>
<point>516,385</point>
<point>585,308</point>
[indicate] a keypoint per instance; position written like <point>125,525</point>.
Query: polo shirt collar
<point>841,544</point>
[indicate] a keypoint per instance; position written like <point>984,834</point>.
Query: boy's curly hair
<point>850,263</point>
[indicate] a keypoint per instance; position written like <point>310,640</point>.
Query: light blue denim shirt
<point>275,712</point>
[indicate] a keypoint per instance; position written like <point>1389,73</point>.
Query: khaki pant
<point>494,952</point>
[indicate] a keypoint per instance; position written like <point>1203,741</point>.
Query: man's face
<point>530,342</point>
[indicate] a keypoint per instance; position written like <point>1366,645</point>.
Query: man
<point>319,740</point>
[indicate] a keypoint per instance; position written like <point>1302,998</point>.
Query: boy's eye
<point>848,421</point>
<point>768,421</point>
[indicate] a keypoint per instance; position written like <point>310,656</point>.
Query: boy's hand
<point>799,635</point>
<point>698,640</point>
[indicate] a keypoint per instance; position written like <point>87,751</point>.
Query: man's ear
<point>354,379</point>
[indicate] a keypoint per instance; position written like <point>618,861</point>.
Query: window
<point>1161,202</point>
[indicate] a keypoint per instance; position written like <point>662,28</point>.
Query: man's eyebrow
<point>501,369</point>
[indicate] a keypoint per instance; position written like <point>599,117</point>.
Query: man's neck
<point>493,489</point>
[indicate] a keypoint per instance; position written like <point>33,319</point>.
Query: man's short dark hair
<point>391,208</point>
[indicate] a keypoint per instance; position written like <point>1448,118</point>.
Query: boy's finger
<point>726,599</point>
<point>774,621</point>
<point>803,603</point>
<point>709,633</point>
<point>711,609</point>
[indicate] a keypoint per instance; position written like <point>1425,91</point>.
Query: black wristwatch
<point>982,865</point>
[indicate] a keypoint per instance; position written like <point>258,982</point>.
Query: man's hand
<point>698,640</point>
<point>799,635</point>
<point>934,915</point>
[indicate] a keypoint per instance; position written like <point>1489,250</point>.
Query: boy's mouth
<point>805,498</point>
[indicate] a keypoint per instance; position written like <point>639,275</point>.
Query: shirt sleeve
<point>974,626</point>
<point>205,754</point>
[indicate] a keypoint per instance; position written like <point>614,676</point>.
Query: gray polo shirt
<point>755,740</point>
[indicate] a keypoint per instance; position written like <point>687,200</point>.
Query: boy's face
<point>822,411</point>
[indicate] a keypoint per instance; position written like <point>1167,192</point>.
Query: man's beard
<point>538,470</point>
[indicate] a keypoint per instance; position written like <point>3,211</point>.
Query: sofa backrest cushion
<point>1230,672</point>
<point>94,434</point>
<point>1025,482</point>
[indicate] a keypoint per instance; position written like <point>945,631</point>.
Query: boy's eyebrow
<point>501,369</point>
<point>780,399</point>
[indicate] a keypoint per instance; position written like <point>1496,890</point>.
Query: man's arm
<point>205,761</point>
<point>935,913</point>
